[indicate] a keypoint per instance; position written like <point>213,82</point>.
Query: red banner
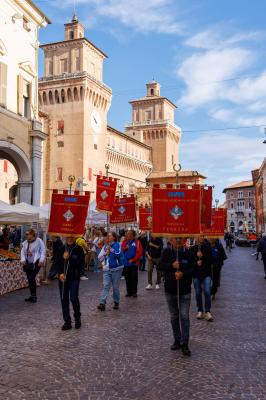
<point>217,224</point>
<point>124,210</point>
<point>206,206</point>
<point>225,218</point>
<point>145,218</point>
<point>176,212</point>
<point>68,214</point>
<point>105,193</point>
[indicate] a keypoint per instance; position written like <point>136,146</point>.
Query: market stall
<point>12,276</point>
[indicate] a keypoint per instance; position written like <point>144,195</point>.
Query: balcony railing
<point>73,75</point>
<point>152,123</point>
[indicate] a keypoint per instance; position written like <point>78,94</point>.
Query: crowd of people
<point>179,263</point>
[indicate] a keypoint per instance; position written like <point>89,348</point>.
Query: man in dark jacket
<point>154,252</point>
<point>177,266</point>
<point>70,260</point>
<point>218,257</point>
<point>262,249</point>
<point>202,278</point>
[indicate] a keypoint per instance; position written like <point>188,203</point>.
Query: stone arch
<point>56,97</point>
<point>76,96</point>
<point>44,98</point>
<point>69,95</point>
<point>63,96</point>
<point>81,93</point>
<point>19,159</point>
<point>51,97</point>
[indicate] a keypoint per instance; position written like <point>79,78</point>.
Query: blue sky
<point>208,55</point>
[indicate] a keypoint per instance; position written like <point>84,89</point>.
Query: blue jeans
<point>111,278</point>
<point>179,316</point>
<point>96,262</point>
<point>205,284</point>
<point>71,290</point>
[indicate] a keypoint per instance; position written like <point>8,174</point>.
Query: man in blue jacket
<point>132,253</point>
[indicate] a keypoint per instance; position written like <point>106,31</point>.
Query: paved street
<point>125,354</point>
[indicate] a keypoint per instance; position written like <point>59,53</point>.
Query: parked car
<point>242,240</point>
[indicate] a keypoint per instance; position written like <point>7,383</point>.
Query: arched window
<point>51,98</point>
<point>69,95</point>
<point>44,98</point>
<point>56,97</point>
<point>81,93</point>
<point>63,96</point>
<point>76,96</point>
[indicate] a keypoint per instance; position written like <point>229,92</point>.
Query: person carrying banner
<point>132,253</point>
<point>70,260</point>
<point>111,257</point>
<point>33,255</point>
<point>202,280</point>
<point>178,265</point>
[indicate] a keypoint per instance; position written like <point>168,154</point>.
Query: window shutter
<point>3,84</point>
<point>20,94</point>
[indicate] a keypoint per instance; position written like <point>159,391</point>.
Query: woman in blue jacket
<point>111,257</point>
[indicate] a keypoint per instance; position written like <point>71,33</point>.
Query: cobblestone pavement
<point>124,355</point>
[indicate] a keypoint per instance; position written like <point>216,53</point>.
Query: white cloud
<point>224,158</point>
<point>142,16</point>
<point>202,74</point>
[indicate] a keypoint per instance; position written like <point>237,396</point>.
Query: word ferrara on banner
<point>105,193</point>
<point>176,211</point>
<point>124,210</point>
<point>68,213</point>
<point>145,218</point>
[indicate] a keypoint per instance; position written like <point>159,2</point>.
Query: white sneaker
<point>208,317</point>
<point>84,278</point>
<point>200,315</point>
<point>149,287</point>
<point>122,278</point>
<point>157,287</point>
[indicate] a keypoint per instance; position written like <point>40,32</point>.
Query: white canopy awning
<point>12,214</point>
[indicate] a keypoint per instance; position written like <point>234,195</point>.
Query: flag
<point>68,213</point>
<point>176,212</point>
<point>145,218</point>
<point>206,206</point>
<point>217,224</point>
<point>124,210</point>
<point>105,193</point>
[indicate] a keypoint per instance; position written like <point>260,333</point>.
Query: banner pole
<point>107,167</point>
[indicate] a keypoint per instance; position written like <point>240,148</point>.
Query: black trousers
<point>131,277</point>
<point>31,276</point>
<point>69,290</point>
<point>216,277</point>
<point>264,261</point>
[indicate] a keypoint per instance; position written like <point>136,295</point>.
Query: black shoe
<point>135,295</point>
<point>101,307</point>
<point>116,306</point>
<point>185,350</point>
<point>78,324</point>
<point>265,277</point>
<point>66,326</point>
<point>31,299</point>
<point>175,346</point>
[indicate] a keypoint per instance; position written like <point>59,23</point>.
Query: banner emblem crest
<point>176,212</point>
<point>68,215</point>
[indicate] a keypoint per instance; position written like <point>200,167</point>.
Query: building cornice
<point>152,100</point>
<point>70,42</point>
<point>127,137</point>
